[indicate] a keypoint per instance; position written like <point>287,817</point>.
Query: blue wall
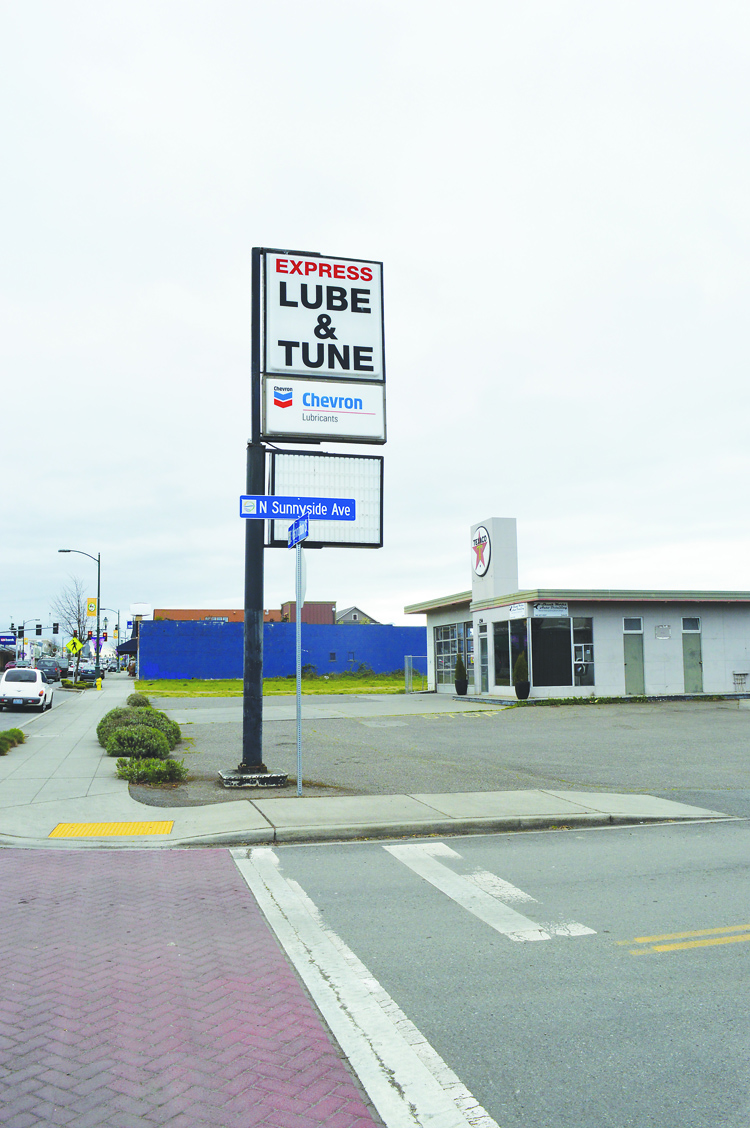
<point>214,650</point>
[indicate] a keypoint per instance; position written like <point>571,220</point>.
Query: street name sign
<point>270,507</point>
<point>299,530</point>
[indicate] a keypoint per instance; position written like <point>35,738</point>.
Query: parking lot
<point>692,751</point>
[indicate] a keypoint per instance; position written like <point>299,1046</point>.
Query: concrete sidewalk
<point>61,782</point>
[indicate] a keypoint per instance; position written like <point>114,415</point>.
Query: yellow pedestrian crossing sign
<point>74,646</point>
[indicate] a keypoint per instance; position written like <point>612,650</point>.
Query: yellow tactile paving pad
<point>107,830</point>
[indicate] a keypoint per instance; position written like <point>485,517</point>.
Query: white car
<point>23,688</point>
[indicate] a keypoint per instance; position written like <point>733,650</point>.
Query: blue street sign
<point>273,507</point>
<point>298,531</point>
<point>8,640</point>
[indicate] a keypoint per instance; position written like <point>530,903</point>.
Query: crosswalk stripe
<point>482,894</point>
<point>408,1082</point>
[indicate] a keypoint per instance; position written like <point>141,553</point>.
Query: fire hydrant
<point>98,683</point>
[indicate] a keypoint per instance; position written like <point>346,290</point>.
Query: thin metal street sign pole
<point>298,647</point>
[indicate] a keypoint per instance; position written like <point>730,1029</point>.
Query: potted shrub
<point>459,677</point>
<point>521,677</point>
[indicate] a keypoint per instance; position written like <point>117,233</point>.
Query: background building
<point>577,642</point>
<point>355,615</point>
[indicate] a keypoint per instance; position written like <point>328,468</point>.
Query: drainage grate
<point>107,830</point>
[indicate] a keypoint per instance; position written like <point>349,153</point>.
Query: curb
<point>363,831</point>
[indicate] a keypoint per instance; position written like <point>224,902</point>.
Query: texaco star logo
<point>480,548</point>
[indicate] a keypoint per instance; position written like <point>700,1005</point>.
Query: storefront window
<point>451,640</point>
<point>583,651</point>
<point>502,653</point>
<point>562,651</point>
<point>551,650</point>
<point>519,645</point>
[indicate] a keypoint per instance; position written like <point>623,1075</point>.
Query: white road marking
<point>496,887</point>
<point>408,1082</point>
<point>481,893</point>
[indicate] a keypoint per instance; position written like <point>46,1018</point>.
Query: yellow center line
<point>686,935</point>
<point>699,943</point>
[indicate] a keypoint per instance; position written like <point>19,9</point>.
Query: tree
<point>70,610</point>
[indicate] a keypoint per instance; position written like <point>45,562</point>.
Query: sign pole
<point>252,695</point>
<point>298,647</point>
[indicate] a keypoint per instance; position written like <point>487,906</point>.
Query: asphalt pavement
<point>593,979</point>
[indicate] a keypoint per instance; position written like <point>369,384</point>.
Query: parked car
<point>24,688</point>
<point>51,668</point>
<point>87,672</point>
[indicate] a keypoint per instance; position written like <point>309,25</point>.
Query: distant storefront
<point>573,642</point>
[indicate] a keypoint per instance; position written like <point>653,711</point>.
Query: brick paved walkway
<point>145,988</point>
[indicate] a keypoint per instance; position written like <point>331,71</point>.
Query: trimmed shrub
<point>109,722</point>
<point>140,741</point>
<point>138,701</point>
<point>9,738</point>
<point>152,771</point>
<point>125,717</point>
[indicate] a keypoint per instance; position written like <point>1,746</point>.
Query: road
<point>591,979</point>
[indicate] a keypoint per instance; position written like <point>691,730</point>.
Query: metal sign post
<point>317,375</point>
<point>298,532</point>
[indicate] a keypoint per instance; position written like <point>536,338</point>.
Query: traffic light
<point>104,636</point>
<point>55,628</point>
<point>20,632</point>
<point>75,634</point>
<point>39,628</point>
<point>91,634</point>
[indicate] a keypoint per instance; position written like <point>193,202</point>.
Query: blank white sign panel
<point>332,475</point>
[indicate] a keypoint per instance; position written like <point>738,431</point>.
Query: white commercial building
<point>574,643</point>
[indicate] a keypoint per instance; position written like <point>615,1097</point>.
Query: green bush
<point>9,738</point>
<point>521,669</point>
<point>138,701</point>
<point>126,716</point>
<point>140,741</point>
<point>66,683</point>
<point>152,771</point>
<point>110,721</point>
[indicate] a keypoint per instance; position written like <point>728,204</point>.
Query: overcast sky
<point>560,194</point>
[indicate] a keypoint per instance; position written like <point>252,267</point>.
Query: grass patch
<point>278,687</point>
<point>633,699</point>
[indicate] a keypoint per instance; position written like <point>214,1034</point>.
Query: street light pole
<point>98,559</point>
<point>117,613</point>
